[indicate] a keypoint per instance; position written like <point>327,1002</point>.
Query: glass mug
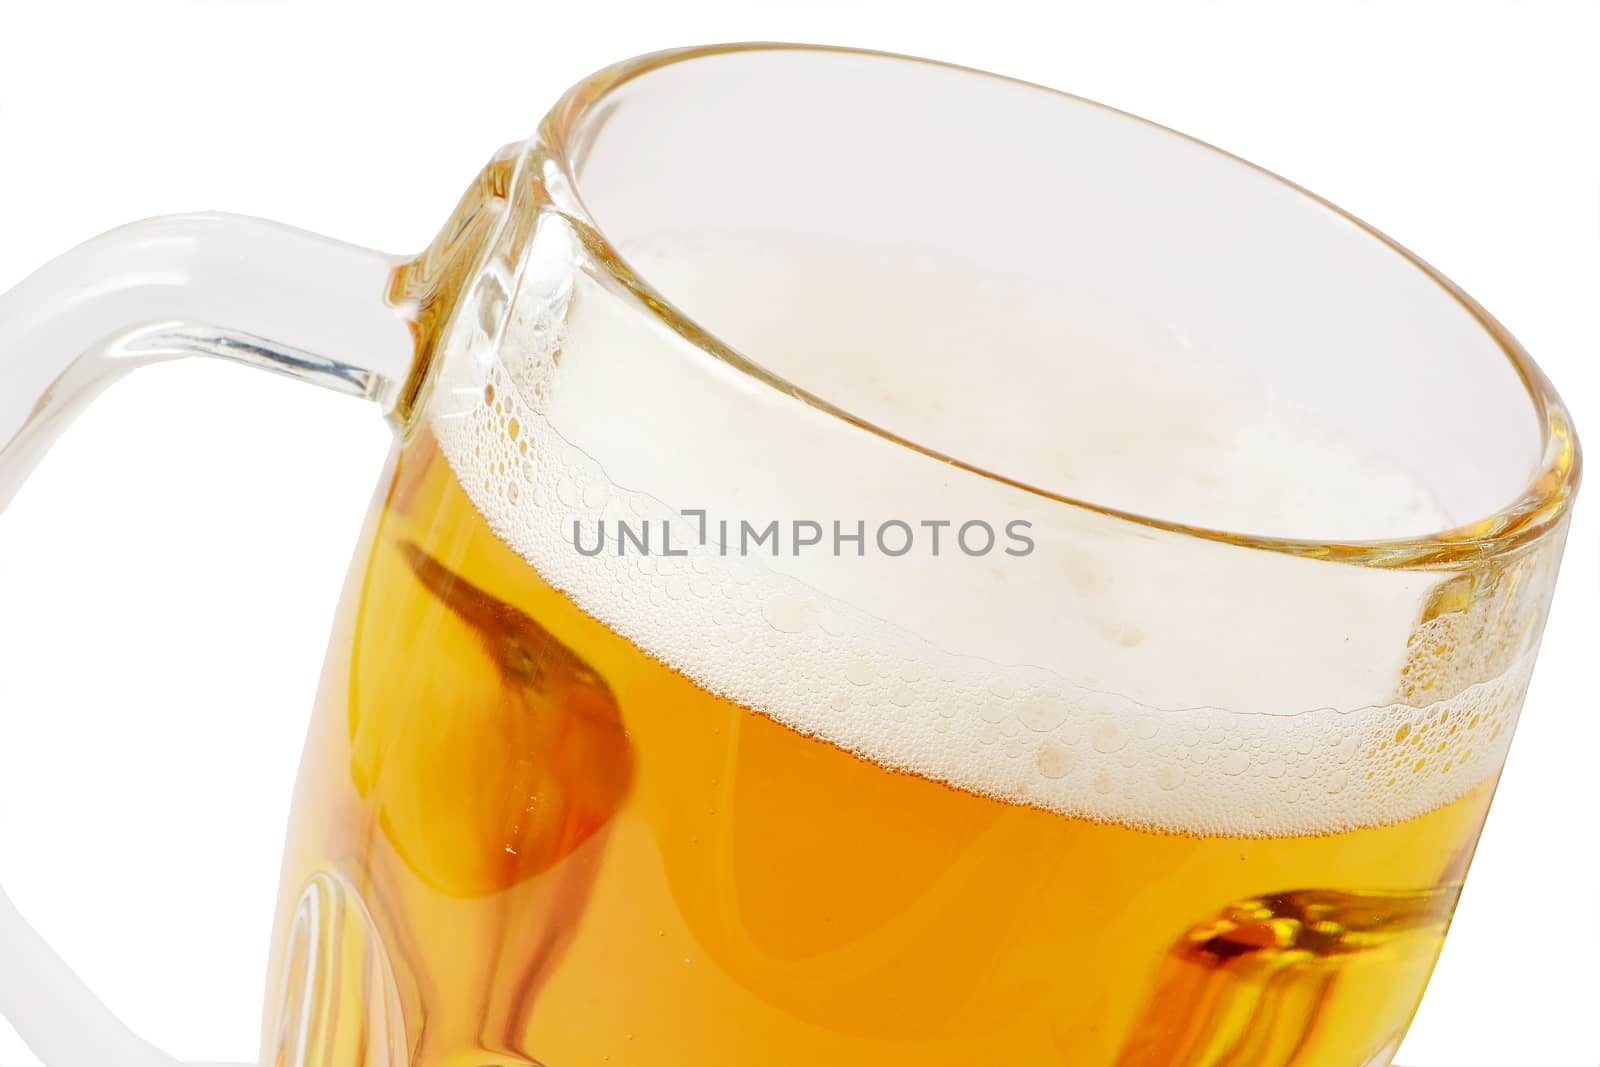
<point>880,564</point>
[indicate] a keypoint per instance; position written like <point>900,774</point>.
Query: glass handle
<point>216,285</point>
<point>211,284</point>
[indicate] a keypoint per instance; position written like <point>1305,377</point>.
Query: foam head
<point>1112,671</point>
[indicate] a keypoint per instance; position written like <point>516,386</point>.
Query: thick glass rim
<point>563,140</point>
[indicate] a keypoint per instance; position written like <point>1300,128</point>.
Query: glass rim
<point>1536,511</point>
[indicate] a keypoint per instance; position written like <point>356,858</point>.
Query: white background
<point>167,578</point>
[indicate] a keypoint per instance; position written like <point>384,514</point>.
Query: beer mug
<point>881,564</point>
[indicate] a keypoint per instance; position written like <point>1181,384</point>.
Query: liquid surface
<point>520,839</point>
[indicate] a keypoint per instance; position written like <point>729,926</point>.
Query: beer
<point>572,853</point>
<point>658,730</point>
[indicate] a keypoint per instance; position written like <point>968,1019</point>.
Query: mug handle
<point>166,288</point>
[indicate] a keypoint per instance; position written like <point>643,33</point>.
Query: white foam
<point>848,652</point>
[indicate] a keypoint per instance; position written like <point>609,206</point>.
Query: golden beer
<point>569,853</point>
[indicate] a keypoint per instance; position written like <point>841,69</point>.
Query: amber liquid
<point>518,839</point>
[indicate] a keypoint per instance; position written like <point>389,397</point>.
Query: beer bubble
<point>1042,714</point>
<point>859,672</point>
<point>1109,737</point>
<point>1053,760</point>
<point>788,615</point>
